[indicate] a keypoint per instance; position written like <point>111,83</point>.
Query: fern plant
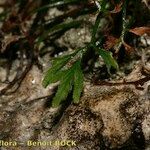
<point>68,69</point>
<point>34,31</point>
<point>70,77</point>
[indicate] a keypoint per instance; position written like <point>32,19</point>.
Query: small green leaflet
<point>72,76</point>
<point>78,82</point>
<point>54,73</point>
<point>108,59</point>
<point>63,89</point>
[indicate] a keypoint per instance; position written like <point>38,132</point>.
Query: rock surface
<point>107,117</point>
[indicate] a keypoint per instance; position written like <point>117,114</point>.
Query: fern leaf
<point>64,88</point>
<point>78,82</point>
<point>52,74</point>
<point>108,59</point>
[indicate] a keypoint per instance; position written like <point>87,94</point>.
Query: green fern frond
<point>78,82</point>
<point>108,59</point>
<point>64,88</point>
<point>54,73</point>
<point>72,77</point>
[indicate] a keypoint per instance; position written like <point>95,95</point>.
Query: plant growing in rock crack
<point>28,31</point>
<point>68,69</point>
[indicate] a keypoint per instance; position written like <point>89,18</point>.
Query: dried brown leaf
<point>140,31</point>
<point>110,42</point>
<point>127,47</point>
<point>117,8</point>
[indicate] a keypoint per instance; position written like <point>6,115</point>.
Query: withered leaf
<point>110,42</point>
<point>140,31</point>
<point>117,8</point>
<point>127,47</point>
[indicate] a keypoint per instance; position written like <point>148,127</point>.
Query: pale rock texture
<point>107,117</point>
